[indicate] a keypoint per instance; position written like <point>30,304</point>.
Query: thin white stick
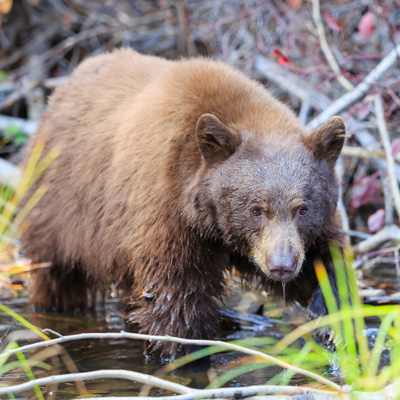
<point>358,92</point>
<point>326,49</point>
<point>101,374</point>
<point>360,152</point>
<point>24,125</point>
<point>297,87</point>
<point>238,393</point>
<point>200,342</point>
<point>10,175</point>
<point>390,232</point>
<point>380,119</point>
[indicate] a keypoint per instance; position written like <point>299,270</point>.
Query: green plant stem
<point>30,374</point>
<point>24,322</point>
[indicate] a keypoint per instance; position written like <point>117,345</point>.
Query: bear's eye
<point>303,210</point>
<point>256,211</point>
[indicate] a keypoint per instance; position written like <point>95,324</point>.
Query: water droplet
<point>284,298</point>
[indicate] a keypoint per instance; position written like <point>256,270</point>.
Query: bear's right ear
<point>216,141</point>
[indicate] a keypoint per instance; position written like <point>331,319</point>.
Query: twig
<point>339,169</point>
<point>101,374</point>
<point>360,235</point>
<point>18,93</point>
<point>245,392</point>
<point>287,393</point>
<point>290,83</point>
<point>296,86</point>
<point>359,152</point>
<point>387,193</point>
<point>41,37</point>
<point>325,47</point>
<point>391,232</point>
<point>358,92</point>
<point>380,119</point>
<point>52,83</point>
<point>10,175</point>
<point>24,125</point>
<point>138,336</point>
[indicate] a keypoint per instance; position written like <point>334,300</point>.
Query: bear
<point>171,173</point>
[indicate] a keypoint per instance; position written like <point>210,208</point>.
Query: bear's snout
<point>279,256</point>
<point>282,267</point>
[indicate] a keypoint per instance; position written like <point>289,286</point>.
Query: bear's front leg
<point>170,300</point>
<point>317,308</point>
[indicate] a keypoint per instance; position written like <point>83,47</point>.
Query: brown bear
<point>170,173</point>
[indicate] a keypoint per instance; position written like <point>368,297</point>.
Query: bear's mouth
<point>281,275</point>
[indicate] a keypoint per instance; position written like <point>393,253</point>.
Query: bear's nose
<point>282,268</point>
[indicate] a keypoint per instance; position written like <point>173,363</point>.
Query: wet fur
<point>137,196</point>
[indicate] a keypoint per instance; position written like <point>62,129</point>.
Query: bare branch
<point>101,374</point>
<point>380,119</point>
<point>200,342</point>
<point>296,86</point>
<point>260,391</point>
<point>359,152</point>
<point>25,126</point>
<point>10,175</point>
<point>358,92</point>
<point>325,47</point>
<point>388,233</point>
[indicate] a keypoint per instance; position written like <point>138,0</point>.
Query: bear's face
<point>270,202</point>
<point>272,206</point>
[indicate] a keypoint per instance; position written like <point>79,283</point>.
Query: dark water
<point>95,354</point>
<point>91,355</point>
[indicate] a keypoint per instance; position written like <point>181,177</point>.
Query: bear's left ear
<point>216,141</point>
<point>327,141</point>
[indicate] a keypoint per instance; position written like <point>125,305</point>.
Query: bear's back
<point>125,127</point>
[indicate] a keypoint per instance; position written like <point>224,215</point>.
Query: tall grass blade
<point>24,322</point>
<point>347,335</point>
<point>359,322</point>
<point>29,373</point>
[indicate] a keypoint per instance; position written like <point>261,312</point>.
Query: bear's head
<point>268,197</point>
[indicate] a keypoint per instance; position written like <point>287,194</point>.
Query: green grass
<point>359,365</point>
<point>10,225</point>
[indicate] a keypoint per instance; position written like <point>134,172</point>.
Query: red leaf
<point>281,58</point>
<point>333,23</point>
<point>364,189</point>
<point>376,221</point>
<point>366,25</point>
<point>296,4</point>
<point>396,146</point>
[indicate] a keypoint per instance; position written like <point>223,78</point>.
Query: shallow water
<point>90,355</point>
<point>95,354</point>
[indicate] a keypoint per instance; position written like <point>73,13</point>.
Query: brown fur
<point>160,164</point>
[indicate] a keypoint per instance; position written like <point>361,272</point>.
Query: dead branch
<point>52,83</point>
<point>199,342</point>
<point>360,152</point>
<point>388,233</point>
<point>30,46</point>
<point>101,374</point>
<point>10,175</point>
<point>326,49</point>
<point>358,92</point>
<point>290,82</point>
<point>24,125</point>
<point>19,93</point>
<point>380,119</point>
<point>297,87</point>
